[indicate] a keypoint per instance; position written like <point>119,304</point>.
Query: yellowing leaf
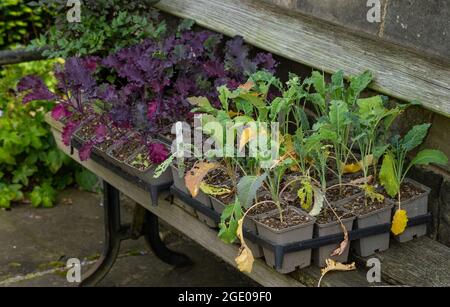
<point>356,167</point>
<point>399,222</point>
<point>249,134</point>
<point>388,176</point>
<point>371,193</point>
<point>195,176</point>
<point>352,168</point>
<point>245,258</point>
<point>305,194</point>
<point>247,86</point>
<point>335,266</point>
<point>214,190</point>
<point>233,114</point>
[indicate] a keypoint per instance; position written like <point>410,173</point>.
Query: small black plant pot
<point>323,253</point>
<point>291,261</point>
<point>414,206</point>
<point>249,224</point>
<point>179,183</point>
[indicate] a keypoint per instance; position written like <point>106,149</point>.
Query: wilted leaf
<point>344,244</point>
<point>335,266</point>
<point>249,134</point>
<point>214,190</point>
<point>305,194</point>
<point>319,198</point>
<point>195,176</point>
<point>356,167</point>
<point>399,222</point>
<point>245,258</point>
<point>371,193</point>
<point>352,168</point>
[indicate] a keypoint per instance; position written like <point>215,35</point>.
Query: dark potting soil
<point>327,216</point>
<point>358,205</point>
<point>407,191</point>
<point>128,148</point>
<point>291,218</point>
<point>337,193</point>
<point>113,135</point>
<point>87,131</point>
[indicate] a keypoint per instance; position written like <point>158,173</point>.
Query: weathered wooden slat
<point>422,262</point>
<point>399,72</point>
<point>8,57</point>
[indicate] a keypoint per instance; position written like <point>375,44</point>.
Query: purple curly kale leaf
<point>35,88</point>
<point>60,111</point>
<point>158,153</point>
<point>68,131</point>
<point>86,150</point>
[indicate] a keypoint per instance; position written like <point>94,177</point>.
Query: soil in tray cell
<point>362,205</point>
<point>407,191</point>
<point>128,148</point>
<point>328,216</point>
<point>341,192</point>
<point>87,131</point>
<point>113,135</point>
<point>291,218</point>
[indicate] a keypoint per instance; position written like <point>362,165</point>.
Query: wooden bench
<point>399,72</point>
<point>422,262</point>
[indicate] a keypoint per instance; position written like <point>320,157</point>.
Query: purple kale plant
<point>145,87</point>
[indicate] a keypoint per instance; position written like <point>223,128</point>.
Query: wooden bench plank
<point>400,72</point>
<point>422,262</point>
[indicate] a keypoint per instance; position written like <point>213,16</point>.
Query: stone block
<point>421,24</point>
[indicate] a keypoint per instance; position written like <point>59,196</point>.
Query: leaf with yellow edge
<point>371,193</point>
<point>399,222</point>
<point>356,167</point>
<point>195,176</point>
<point>335,266</point>
<point>245,258</point>
<point>214,190</point>
<point>249,134</point>
<point>305,194</point>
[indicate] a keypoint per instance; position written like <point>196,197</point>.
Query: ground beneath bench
<point>36,243</point>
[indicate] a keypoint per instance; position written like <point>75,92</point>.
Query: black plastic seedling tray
<point>280,250</point>
<point>154,190</point>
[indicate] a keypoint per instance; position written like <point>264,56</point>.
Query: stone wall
<point>423,25</point>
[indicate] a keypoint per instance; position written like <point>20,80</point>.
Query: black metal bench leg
<point>151,233</point>
<point>114,234</point>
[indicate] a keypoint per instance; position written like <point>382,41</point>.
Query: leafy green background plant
<point>20,22</point>
<point>31,166</point>
<point>105,27</point>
